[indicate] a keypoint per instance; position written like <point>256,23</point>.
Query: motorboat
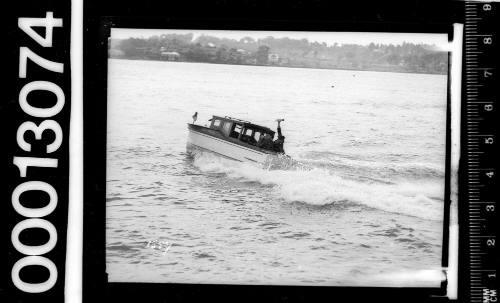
<point>232,138</point>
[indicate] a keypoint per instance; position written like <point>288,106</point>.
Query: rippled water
<point>362,204</point>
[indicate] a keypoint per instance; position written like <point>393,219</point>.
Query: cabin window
<point>216,123</point>
<point>256,136</point>
<point>226,127</point>
<point>236,131</point>
<point>248,136</point>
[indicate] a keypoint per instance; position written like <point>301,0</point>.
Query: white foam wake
<point>319,186</point>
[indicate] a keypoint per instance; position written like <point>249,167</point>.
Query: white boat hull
<point>225,148</point>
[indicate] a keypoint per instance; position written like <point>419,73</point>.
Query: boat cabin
<point>239,129</point>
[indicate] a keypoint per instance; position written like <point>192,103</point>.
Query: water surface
<point>364,207</point>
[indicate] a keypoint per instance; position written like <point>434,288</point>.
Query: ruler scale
<point>480,150</point>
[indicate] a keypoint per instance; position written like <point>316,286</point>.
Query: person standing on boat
<point>278,143</point>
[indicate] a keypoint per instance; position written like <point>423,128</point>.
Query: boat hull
<point>225,148</point>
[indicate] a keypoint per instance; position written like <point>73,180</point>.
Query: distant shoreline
<point>282,66</point>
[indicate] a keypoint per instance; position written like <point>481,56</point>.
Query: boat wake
<point>296,182</point>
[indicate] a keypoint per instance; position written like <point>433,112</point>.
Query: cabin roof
<point>244,122</point>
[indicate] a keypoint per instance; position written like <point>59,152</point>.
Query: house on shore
<point>170,56</point>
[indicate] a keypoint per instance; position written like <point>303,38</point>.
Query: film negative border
<point>296,17</point>
<point>34,118</point>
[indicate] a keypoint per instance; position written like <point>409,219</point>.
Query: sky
<point>362,38</point>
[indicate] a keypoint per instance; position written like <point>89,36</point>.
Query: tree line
<point>287,52</point>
